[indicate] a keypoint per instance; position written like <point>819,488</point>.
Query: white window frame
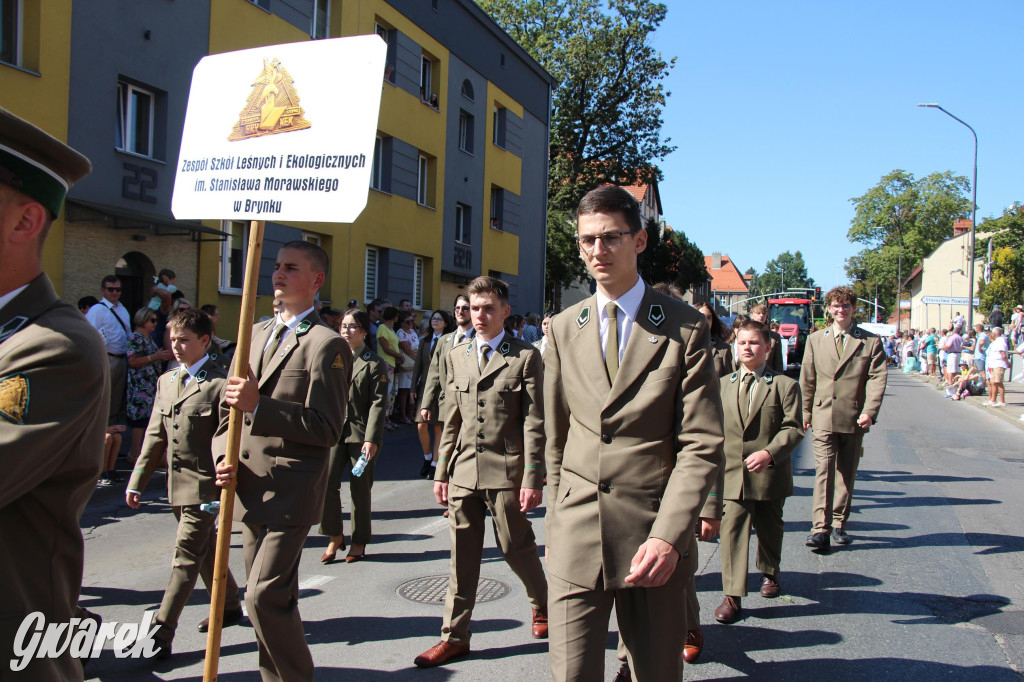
<point>125,113</point>
<point>426,76</point>
<point>417,282</point>
<point>465,131</point>
<point>326,5</point>
<point>370,284</point>
<point>18,32</point>
<point>313,238</point>
<point>377,171</point>
<point>462,226</point>
<point>224,284</point>
<point>422,180</point>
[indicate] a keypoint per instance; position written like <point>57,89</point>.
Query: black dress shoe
<point>840,537</point>
<point>818,541</point>
<point>425,470</point>
<point>230,618</point>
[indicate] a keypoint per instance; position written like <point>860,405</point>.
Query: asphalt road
<point>932,585</point>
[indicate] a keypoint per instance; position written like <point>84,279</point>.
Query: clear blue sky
<point>783,111</point>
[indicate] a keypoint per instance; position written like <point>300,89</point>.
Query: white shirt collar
<point>493,343</point>
<point>628,303</point>
<point>193,369</point>
<point>295,321</point>
<point>9,296</point>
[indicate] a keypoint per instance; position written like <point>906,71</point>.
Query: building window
<point>427,77</point>
<point>232,257</point>
<point>466,132</point>
<point>497,207</point>
<point>467,90</point>
<point>320,19</point>
<point>463,223</point>
<point>388,35</point>
<point>10,32</point>
<point>135,114</point>
<point>422,181</point>
<point>312,238</point>
<point>499,119</point>
<point>370,278</point>
<point>377,172</point>
<point>417,282</point>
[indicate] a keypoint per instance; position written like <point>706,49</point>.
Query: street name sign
<point>948,300</point>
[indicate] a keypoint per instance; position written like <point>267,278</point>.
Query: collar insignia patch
<point>583,318</point>
<point>201,377</point>
<point>12,327</point>
<point>367,355</point>
<point>469,348</point>
<point>856,333</point>
<point>505,348</point>
<point>734,377</point>
<point>338,362</point>
<point>768,378</point>
<point>656,315</point>
<point>303,327</point>
<point>14,398</point>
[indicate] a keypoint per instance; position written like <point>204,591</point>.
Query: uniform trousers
<point>344,456</point>
<point>649,623</point>
<point>272,600</point>
<point>118,386</point>
<point>513,532</point>
<point>836,458</point>
<point>737,518</point>
<point>195,549</point>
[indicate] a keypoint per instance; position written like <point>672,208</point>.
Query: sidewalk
<point>1014,395</point>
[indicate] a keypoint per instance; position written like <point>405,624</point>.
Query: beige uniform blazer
<point>283,459</point>
<point>493,436</point>
<point>775,352</point>
<point>773,424</point>
<point>54,392</point>
<point>421,374</point>
<point>634,459</point>
<point>183,427</point>
<point>838,390</point>
<point>437,372</point>
<point>367,397</point>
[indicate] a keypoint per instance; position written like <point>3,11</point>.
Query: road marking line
<point>315,581</point>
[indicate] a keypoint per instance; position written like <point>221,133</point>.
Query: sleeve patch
<point>14,398</point>
<point>338,362</point>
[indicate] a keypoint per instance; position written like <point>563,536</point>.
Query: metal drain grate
<point>432,589</point>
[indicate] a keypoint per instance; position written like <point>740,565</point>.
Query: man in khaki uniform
<point>186,413</point>
<point>294,404</point>
<point>491,458</point>
<point>842,380</point>
<point>762,428</point>
<point>634,442</point>
<point>54,393</point>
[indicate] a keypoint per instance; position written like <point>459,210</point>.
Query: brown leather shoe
<point>439,653</point>
<point>230,618</point>
<point>729,610</point>
<point>623,675</point>
<point>693,646</point>
<point>769,586</point>
<point>540,624</point>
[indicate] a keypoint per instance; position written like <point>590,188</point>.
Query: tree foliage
<point>785,271</point>
<point>672,258</point>
<point>901,215</point>
<point>607,102</point>
<point>1007,235</point>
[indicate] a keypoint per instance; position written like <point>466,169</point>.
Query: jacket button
<point>248,422</point>
<point>480,435</point>
<point>480,448</point>
<point>606,438</point>
<point>481,403</point>
<point>245,455</point>
<point>176,467</point>
<point>480,419</point>
<point>174,440</point>
<point>177,410</point>
<point>834,398</point>
<point>604,487</point>
<point>175,426</point>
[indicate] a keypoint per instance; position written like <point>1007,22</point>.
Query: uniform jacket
<point>722,353</point>
<point>367,396</point>
<point>775,352</point>
<point>283,458</point>
<point>493,434</point>
<point>773,424</point>
<point>421,373</point>
<point>183,427</point>
<point>437,373</point>
<point>54,393</point>
<point>838,390</point>
<point>635,459</point>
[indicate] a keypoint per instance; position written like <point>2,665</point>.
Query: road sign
<point>948,300</point>
<point>904,304</point>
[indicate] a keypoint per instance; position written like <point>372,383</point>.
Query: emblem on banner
<point>272,107</point>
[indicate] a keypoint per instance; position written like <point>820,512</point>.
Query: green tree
<point>1007,285</point>
<point>785,271</point>
<point>900,221</point>
<point>672,258</point>
<point>753,287</point>
<point>607,102</point>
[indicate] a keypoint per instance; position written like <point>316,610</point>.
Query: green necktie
<point>840,343</point>
<point>485,355</point>
<point>275,343</point>
<point>744,406</point>
<point>611,344</point>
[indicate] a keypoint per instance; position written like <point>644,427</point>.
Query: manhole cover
<point>432,589</point>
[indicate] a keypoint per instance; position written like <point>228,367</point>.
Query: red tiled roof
<point>726,278</point>
<point>638,191</point>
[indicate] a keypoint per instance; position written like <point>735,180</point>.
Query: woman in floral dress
<point>145,361</point>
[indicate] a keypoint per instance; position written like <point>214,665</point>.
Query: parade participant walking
<point>842,382</point>
<point>294,404</point>
<point>775,364</point>
<point>634,429</point>
<point>762,428</point>
<point>491,459</point>
<point>363,433</point>
<point>51,447</point>
<point>186,414</point>
<point>427,429</point>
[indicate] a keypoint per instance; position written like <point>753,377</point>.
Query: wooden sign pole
<point>227,494</point>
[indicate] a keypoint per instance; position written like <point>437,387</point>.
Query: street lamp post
<point>974,215</point>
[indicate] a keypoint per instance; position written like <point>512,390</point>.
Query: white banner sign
<point>948,300</point>
<point>904,304</point>
<point>283,132</point>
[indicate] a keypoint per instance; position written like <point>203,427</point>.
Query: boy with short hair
<point>186,414</point>
<point>762,428</point>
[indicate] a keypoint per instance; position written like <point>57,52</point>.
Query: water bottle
<point>211,507</point>
<point>360,466</point>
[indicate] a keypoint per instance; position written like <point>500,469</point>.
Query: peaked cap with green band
<point>37,164</point>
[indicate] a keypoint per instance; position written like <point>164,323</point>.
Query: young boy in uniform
<point>762,428</point>
<point>491,458</point>
<point>186,414</point>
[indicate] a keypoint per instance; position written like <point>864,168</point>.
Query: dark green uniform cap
<point>37,164</point>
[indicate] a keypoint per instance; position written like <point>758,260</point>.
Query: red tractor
<point>795,323</point>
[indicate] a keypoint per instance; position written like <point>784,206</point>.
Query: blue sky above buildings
<point>783,111</point>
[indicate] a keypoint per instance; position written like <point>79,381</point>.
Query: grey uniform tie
<point>485,355</point>
<point>275,343</point>
<point>611,343</point>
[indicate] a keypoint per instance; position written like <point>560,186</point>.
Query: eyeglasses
<point>437,319</point>
<point>841,306</point>
<point>462,307</point>
<point>113,289</point>
<point>610,240</point>
<point>351,327</point>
